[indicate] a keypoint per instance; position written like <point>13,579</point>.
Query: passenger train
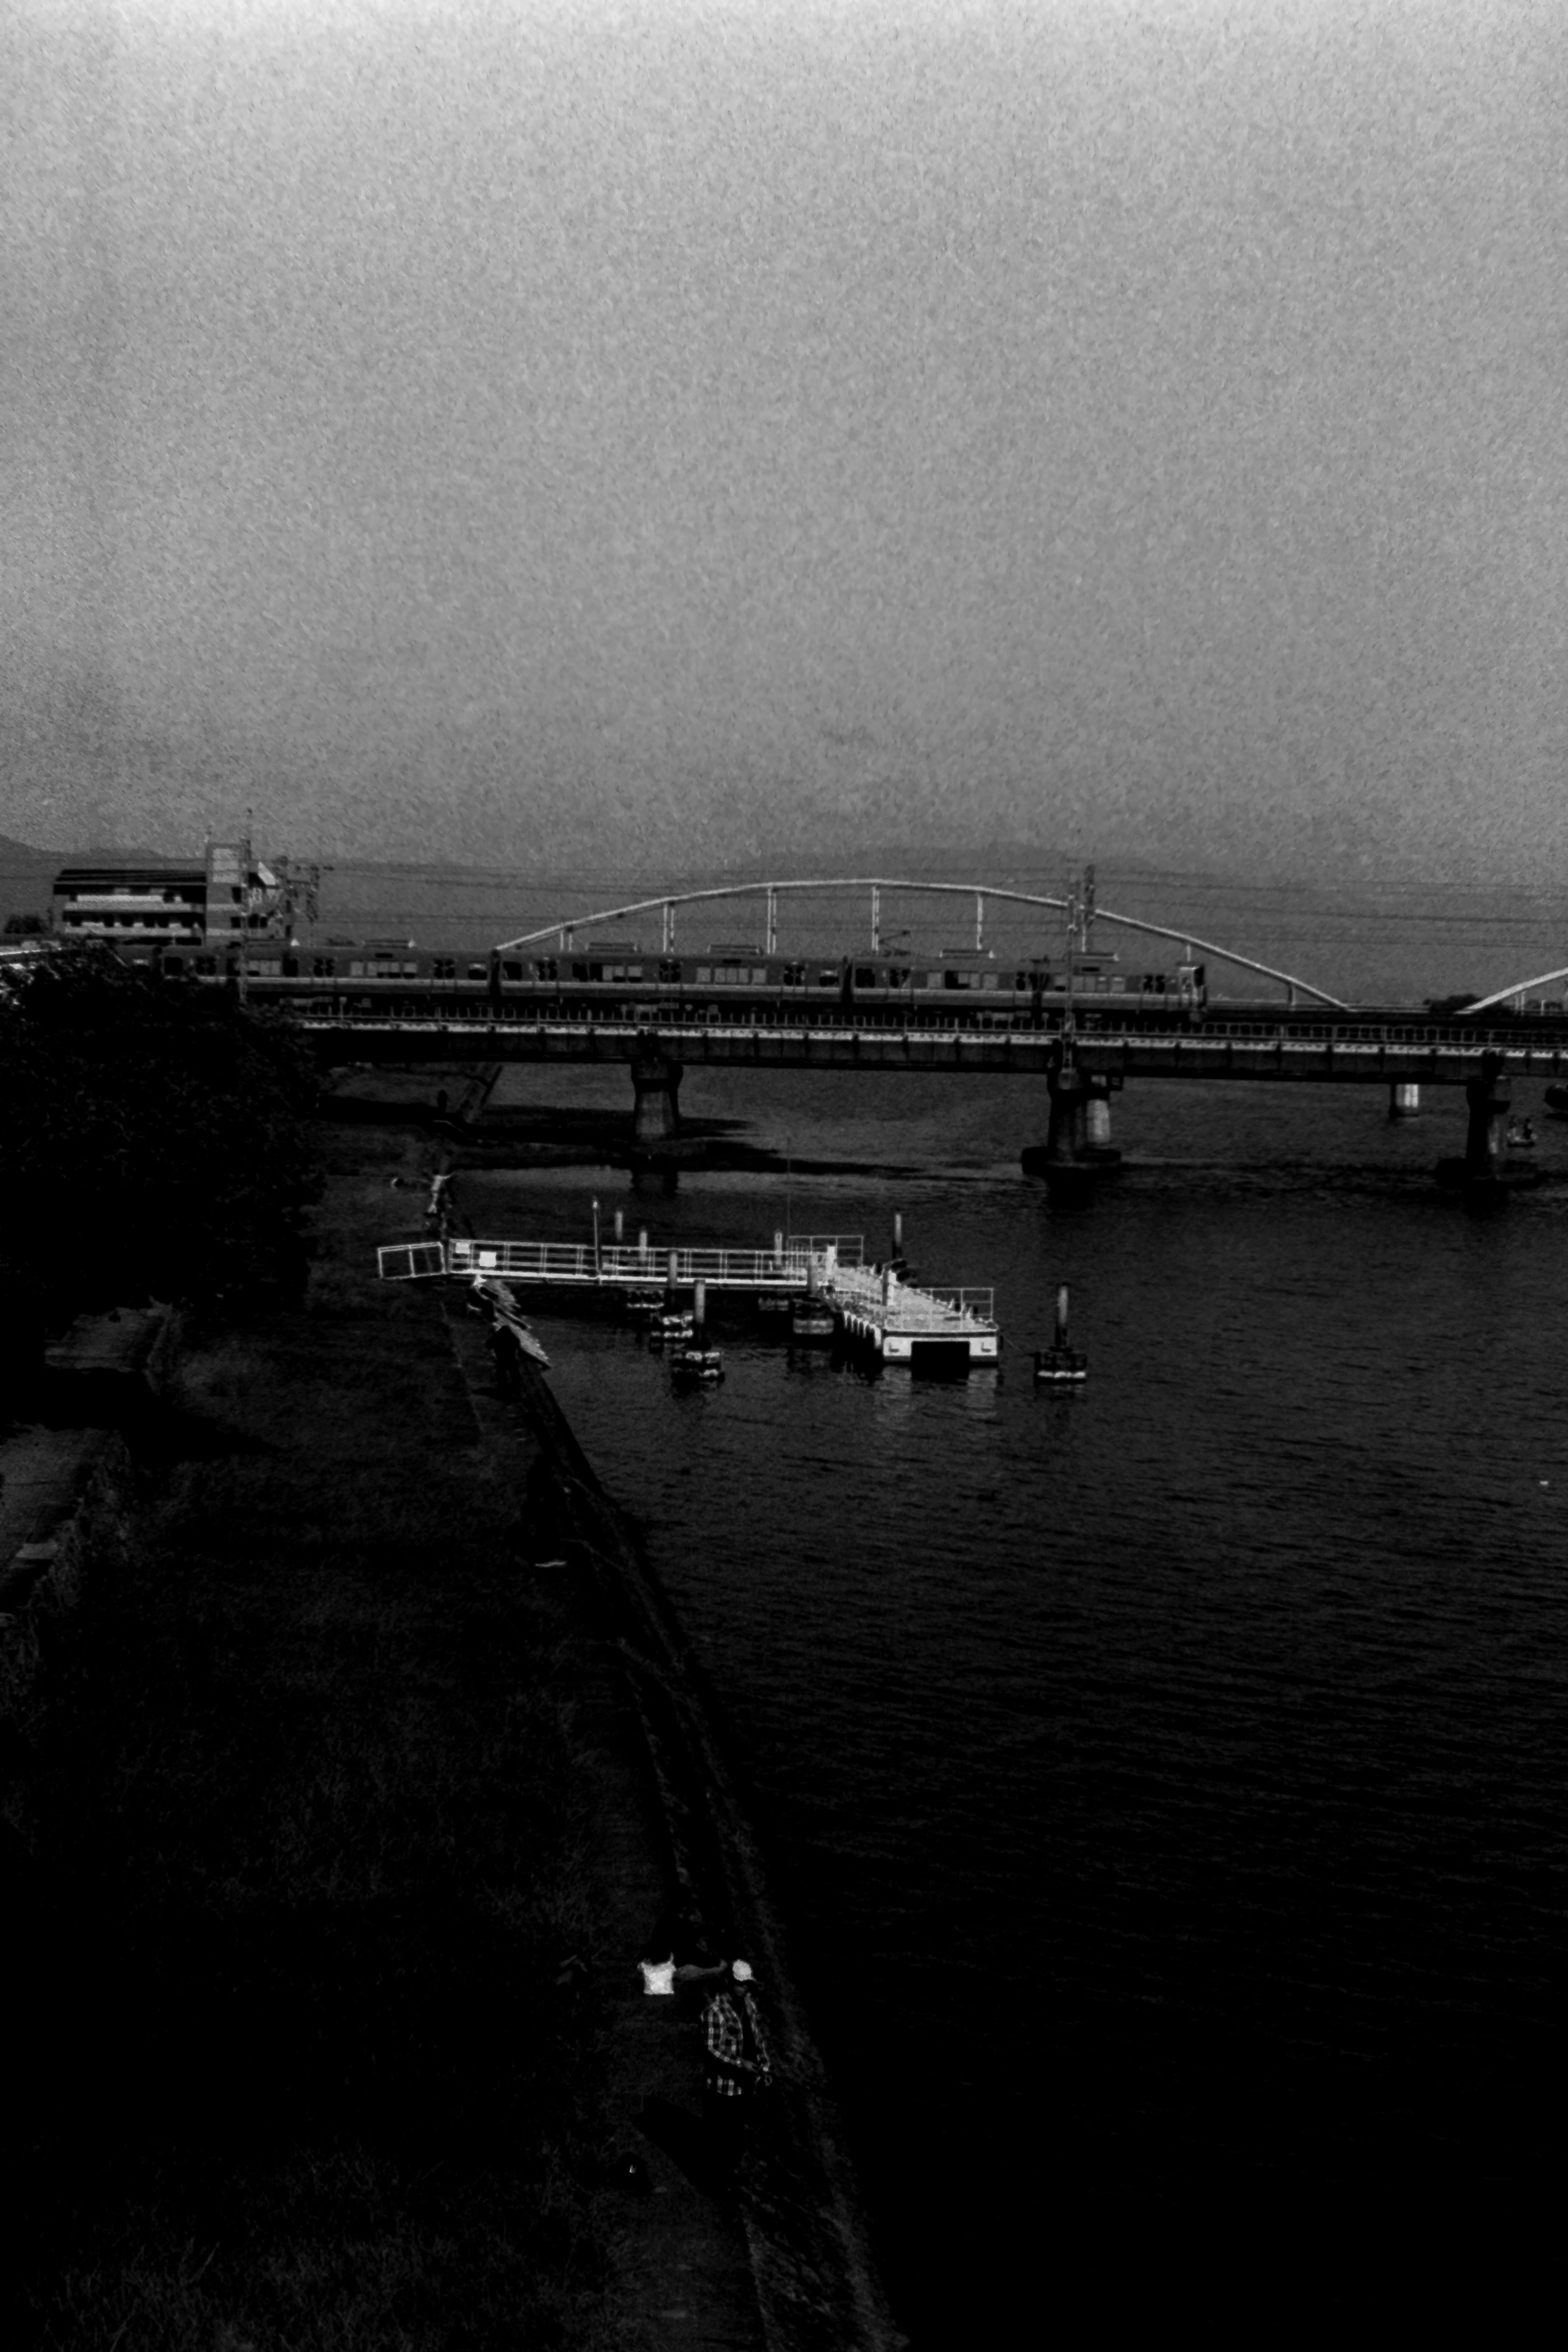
<point>617,980</point>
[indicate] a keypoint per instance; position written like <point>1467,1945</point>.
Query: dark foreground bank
<point>339,1805</point>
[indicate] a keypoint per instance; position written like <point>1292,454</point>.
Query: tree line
<point>156,1143</point>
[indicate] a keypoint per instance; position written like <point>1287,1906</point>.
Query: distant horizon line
<point>1061,868</point>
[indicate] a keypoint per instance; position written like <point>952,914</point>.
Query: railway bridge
<point>562,992</point>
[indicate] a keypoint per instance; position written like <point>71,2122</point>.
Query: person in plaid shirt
<point>737,2063</point>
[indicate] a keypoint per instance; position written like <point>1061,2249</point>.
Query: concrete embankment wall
<point>816,2278</point>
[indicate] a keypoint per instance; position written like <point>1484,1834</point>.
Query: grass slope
<point>308,1859</point>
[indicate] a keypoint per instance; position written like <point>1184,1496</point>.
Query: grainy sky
<point>716,432</point>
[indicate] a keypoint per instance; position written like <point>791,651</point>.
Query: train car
<point>729,983</point>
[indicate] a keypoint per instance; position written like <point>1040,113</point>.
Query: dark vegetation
<point>295,1851</point>
<point>156,1142</point>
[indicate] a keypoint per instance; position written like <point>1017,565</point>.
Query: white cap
<point>742,1971</point>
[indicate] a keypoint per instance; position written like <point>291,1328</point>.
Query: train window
<point>704,974</point>
<point>324,968</point>
<point>670,970</point>
<point>477,972</point>
<point>510,970</point>
<point>546,968</point>
<point>794,975</point>
<point>988,979</point>
<point>206,964</point>
<point>174,964</point>
<point>826,979</point>
<point>444,968</point>
<point>864,975</point>
<point>291,967</point>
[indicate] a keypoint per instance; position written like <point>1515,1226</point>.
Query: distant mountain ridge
<point>27,872</point>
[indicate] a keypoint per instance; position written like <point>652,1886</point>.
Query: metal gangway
<point>785,1268</point>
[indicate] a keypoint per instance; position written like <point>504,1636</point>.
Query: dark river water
<point>1164,1784</point>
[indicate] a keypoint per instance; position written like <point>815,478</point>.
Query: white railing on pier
<point>616,1263</point>
<point>410,1261</point>
<point>875,1295</point>
<point>848,1249</point>
<point>894,1306</point>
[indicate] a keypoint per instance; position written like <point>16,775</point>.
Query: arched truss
<point>877,884</point>
<point>1519,988</point>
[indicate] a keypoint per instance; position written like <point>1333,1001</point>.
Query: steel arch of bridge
<point>1518,988</point>
<point>667,902</point>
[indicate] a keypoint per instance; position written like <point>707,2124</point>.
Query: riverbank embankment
<point>332,1815</point>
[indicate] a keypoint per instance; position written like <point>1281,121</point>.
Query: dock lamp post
<point>596,1237</point>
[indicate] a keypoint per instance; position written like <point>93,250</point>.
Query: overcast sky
<point>1136,430</point>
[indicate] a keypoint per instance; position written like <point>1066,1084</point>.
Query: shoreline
<point>816,2278</point>
<point>792,2270</point>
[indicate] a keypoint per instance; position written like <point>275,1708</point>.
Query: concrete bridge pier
<point>1079,1133</point>
<point>1097,1118</point>
<point>1403,1099</point>
<point>1490,1098</point>
<point>656,1079</point>
<point>1066,1135</point>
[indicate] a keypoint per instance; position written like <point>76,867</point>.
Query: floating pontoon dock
<point>872,1305</point>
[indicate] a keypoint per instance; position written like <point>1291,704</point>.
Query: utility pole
<point>299,893</point>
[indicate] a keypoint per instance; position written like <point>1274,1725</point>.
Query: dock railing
<point>616,1263</point>
<point>848,1249</point>
<point>410,1261</point>
<point>899,1306</point>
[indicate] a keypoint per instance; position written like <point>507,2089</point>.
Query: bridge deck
<point>1351,1055</point>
